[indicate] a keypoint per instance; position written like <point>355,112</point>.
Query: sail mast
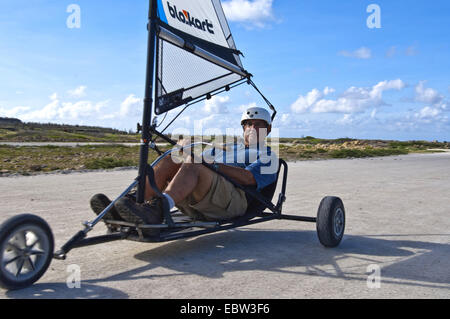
<point>148,100</point>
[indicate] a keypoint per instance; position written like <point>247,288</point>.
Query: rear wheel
<point>26,250</point>
<point>330,221</point>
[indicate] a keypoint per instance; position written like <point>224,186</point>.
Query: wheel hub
<point>21,256</point>
<point>338,222</point>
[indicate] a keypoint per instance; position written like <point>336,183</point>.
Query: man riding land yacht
<point>196,190</point>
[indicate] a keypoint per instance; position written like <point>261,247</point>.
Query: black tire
<point>26,243</point>
<point>330,221</point>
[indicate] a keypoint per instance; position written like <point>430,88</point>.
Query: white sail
<point>196,53</point>
<point>197,18</point>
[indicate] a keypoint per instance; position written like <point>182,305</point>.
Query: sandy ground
<point>398,221</point>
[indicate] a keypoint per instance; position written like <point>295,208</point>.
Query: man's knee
<point>197,168</point>
<point>188,165</point>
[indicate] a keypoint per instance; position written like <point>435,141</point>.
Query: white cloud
<point>14,112</point>
<point>428,113</point>
<point>391,52</point>
<point>131,106</point>
<point>346,120</point>
<point>67,111</point>
<point>53,97</point>
<point>328,90</point>
<point>353,100</point>
<point>361,53</point>
<point>47,113</point>
<point>244,107</point>
<point>304,103</point>
<point>427,95</point>
<point>217,105</point>
<point>256,12</point>
<point>411,51</point>
<point>80,110</point>
<point>78,92</point>
<point>57,111</point>
<point>292,121</point>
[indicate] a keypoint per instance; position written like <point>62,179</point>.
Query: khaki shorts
<point>222,202</point>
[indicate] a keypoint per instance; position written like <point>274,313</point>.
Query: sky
<point>375,69</point>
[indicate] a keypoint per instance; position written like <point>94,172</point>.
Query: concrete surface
<point>398,219</point>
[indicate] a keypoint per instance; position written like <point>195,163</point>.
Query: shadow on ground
<point>61,291</point>
<point>294,252</point>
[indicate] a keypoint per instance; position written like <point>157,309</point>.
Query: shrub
<point>108,162</point>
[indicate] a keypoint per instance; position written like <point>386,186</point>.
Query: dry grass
<point>27,160</point>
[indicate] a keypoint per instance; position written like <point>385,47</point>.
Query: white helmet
<point>257,113</point>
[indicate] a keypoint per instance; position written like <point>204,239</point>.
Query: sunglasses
<point>255,124</point>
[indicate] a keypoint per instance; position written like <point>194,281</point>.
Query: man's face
<point>255,131</point>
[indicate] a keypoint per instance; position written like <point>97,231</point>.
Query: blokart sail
<point>195,53</point>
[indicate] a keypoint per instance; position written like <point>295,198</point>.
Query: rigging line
<point>173,120</point>
<point>204,98</point>
<point>208,81</point>
<point>265,99</point>
<point>164,118</point>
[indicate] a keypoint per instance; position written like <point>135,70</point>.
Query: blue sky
<point>328,74</point>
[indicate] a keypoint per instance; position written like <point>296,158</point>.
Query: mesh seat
<point>256,208</point>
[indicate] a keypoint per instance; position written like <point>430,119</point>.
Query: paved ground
<point>398,219</point>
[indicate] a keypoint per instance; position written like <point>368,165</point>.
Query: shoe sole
<point>98,206</point>
<point>125,213</point>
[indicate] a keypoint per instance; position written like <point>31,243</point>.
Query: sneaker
<point>98,204</point>
<point>148,213</point>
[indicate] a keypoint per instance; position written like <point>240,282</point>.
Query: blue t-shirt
<point>260,161</point>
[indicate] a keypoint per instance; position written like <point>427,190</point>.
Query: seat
<point>255,207</point>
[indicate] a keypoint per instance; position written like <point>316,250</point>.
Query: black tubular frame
<point>173,230</point>
<point>148,100</point>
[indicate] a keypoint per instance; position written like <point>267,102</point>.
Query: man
<point>199,192</point>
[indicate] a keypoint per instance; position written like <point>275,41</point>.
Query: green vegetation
<point>367,152</point>
<point>31,159</point>
<point>13,130</point>
<point>108,162</point>
<point>35,132</point>
<point>314,148</point>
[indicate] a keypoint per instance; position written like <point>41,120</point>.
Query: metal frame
<point>173,228</point>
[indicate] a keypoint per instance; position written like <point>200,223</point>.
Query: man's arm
<point>239,175</point>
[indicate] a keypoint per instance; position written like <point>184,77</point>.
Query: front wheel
<point>26,250</point>
<point>330,221</point>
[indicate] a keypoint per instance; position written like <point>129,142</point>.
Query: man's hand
<point>181,155</point>
<point>183,143</point>
<point>239,175</point>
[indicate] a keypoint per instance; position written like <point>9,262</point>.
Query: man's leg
<point>164,173</point>
<point>191,178</point>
